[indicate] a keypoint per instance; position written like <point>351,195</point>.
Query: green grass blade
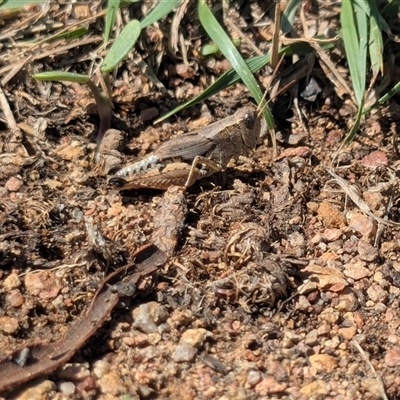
<point>212,48</point>
<point>375,43</point>
<point>227,79</point>
<point>218,35</point>
<point>209,49</point>
<point>162,9</point>
<point>6,4</point>
<point>384,98</point>
<point>125,3</point>
<point>375,47</point>
<point>61,76</point>
<point>288,16</point>
<point>354,129</point>
<point>361,11</point>
<point>391,8</point>
<point>353,47</point>
<point>122,46</point>
<point>72,34</point>
<point>112,7</point>
<point>231,77</point>
<point>352,133</point>
<point>363,5</point>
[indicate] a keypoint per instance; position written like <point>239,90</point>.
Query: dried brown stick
<point>44,358</point>
<point>39,55</point>
<point>7,111</point>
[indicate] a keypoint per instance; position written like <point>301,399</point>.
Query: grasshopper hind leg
<point>195,173</point>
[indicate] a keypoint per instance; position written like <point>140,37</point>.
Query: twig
<point>350,191</point>
<point>66,29</point>
<point>12,124</point>
<point>15,70</point>
<point>378,378</point>
<point>53,52</point>
<point>174,31</point>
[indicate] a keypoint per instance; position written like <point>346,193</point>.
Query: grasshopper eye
<point>117,182</point>
<point>250,120</point>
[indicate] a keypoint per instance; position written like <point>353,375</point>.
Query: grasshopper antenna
<point>264,103</point>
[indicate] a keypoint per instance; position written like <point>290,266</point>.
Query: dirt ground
<point>279,278</point>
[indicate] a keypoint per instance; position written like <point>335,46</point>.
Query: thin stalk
<point>105,114</point>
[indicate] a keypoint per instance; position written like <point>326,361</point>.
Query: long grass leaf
<point>61,76</point>
<point>352,48</point>
<point>363,5</point>
<point>288,15</point>
<point>227,79</point>
<point>112,7</point>
<point>218,35</point>
<point>385,97</point>
<point>231,77</point>
<point>72,34</point>
<point>362,12</point>
<point>352,133</point>
<point>6,4</point>
<point>375,42</point>
<point>162,9</point>
<point>122,46</point>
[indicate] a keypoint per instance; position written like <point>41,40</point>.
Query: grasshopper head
<point>117,182</point>
<point>251,127</point>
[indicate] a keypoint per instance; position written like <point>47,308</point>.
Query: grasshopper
<point>184,159</point>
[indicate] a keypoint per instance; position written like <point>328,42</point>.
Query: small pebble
<point>194,337</point>
<point>8,324</point>
<point>348,333</point>
<point>330,216</point>
<point>147,316</point>
<point>364,225</point>
<point>330,235</point>
<point>67,388</point>
<point>323,362</point>
<point>357,270</point>
<point>375,159</point>
<point>74,372</point>
<point>367,252</point>
<point>101,368</point>
<point>13,184</point>
<point>15,298</point>
<point>392,357</point>
<point>11,282</point>
<point>37,390</point>
<point>184,353</point>
<point>318,388</point>
<point>377,294</point>
<point>112,385</point>
<point>253,377</point>
<point>42,283</point>
<point>269,386</point>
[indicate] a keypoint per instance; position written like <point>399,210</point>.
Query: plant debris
<point>41,358</point>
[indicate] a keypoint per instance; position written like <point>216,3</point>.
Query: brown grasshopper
<point>184,159</point>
